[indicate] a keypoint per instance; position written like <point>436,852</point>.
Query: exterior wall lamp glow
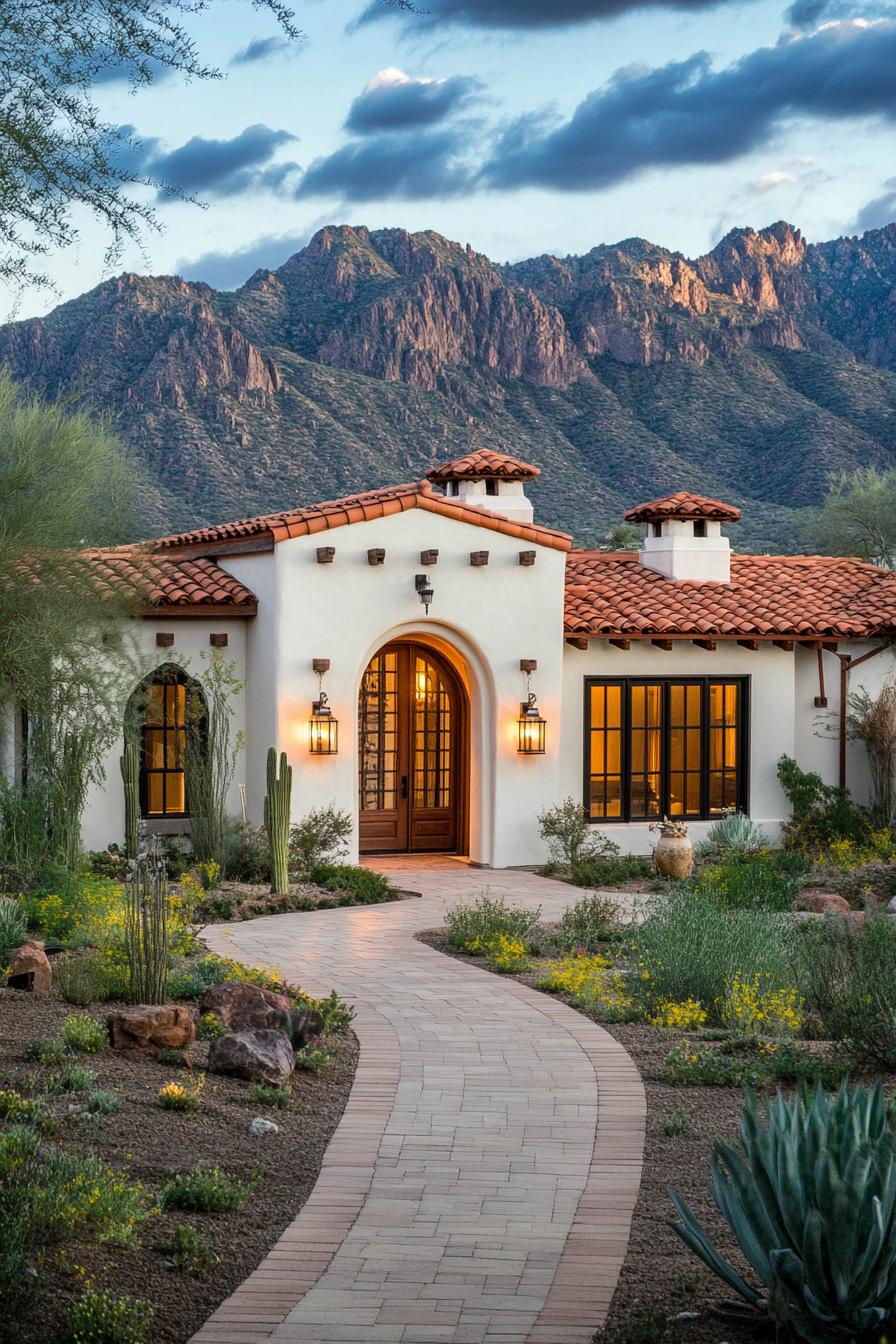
<point>531,727</point>
<point>424,590</point>
<point>323,729</point>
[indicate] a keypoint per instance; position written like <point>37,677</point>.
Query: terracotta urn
<point>673,854</point>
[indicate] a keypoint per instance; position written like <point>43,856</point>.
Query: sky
<point>517,126</point>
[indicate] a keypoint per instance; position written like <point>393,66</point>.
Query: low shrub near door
<point>471,926</point>
<point>810,1195</point>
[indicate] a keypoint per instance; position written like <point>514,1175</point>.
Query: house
<point>439,664</point>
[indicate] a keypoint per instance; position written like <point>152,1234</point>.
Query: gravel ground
<point>152,1144</point>
<point>661,1279</point>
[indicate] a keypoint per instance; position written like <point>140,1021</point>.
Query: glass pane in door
<point>378,734</point>
<point>432,735</point>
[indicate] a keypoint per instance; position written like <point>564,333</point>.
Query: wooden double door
<point>411,748</point>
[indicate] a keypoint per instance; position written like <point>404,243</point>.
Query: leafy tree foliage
<point>56,151</point>
<point>858,516</point>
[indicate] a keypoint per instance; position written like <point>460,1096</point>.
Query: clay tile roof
<point>803,597</point>
<point>683,504</point>
<point>170,582</point>
<point>482,464</point>
<point>301,522</point>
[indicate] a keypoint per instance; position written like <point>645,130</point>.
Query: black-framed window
<point>159,712</point>
<point>665,746</point>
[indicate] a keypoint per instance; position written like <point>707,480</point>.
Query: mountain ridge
<point>749,373</point>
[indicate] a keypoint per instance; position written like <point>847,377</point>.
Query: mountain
<point>749,373</point>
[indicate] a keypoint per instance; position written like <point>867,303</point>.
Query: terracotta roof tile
<point>478,465</point>
<point>164,582</point>
<point>774,596</point>
<point>361,508</point>
<point>683,504</point>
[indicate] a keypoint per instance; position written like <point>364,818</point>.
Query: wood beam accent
<point>428,558</point>
<point>621,644</point>
<point>785,644</point>
<point>751,644</point>
<point>325,555</point>
<point>664,644</point>
<point>575,642</point>
<point>706,644</point>
<point>527,558</point>
<point>478,558</point>
<point>376,555</point>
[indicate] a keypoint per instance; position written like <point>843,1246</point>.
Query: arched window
<point>160,712</point>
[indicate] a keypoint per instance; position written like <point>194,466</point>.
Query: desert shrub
<point>587,923</point>
<point>247,853</point>
<point>43,1050</point>
<point>70,1078</point>
<point>269,1094</point>
<point>13,927</point>
<point>570,837</point>
<point>752,1006</point>
<point>474,924</point>
<point>205,1190</point>
<point>821,813</point>
<point>83,1035</point>
<point>609,871</point>
<point>170,1058</point>
<point>676,1123</point>
<point>80,977</point>
<point>109,862</point>
<point>688,1015</point>
<point>177,1097</point>
<point>750,1062</point>
<point>99,1317</point>
<point>102,1103</point>
<point>191,978</point>
<point>692,947</point>
<point>734,835</point>
<point>33,1112</point>
<point>320,837</point>
<point>312,1058</point>
<point>848,979</point>
<point>77,909</point>
<point>760,881</point>
<point>186,1248</point>
<point>337,1014</point>
<point>210,1027</point>
<point>808,1195</point>
<point>362,884</point>
<point>504,954</point>
<point>592,984</point>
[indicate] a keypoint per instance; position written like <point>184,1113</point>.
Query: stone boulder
<point>261,1054</point>
<point>150,1028</point>
<point>244,1007</point>
<point>824,902</point>
<point>29,968</point>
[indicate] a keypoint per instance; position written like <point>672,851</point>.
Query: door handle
<point>404,786</point>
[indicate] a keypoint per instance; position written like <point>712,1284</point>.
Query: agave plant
<point>734,834</point>
<point>810,1196</point>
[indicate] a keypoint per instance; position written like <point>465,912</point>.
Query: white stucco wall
<point>103,819</point>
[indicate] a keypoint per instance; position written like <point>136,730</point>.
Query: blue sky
<point>516,127</point>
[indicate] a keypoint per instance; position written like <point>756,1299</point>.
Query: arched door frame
<point>473,674</point>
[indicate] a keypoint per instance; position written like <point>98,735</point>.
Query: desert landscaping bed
<point>151,1145</point>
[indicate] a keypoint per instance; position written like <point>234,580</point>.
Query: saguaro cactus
<point>129,764</point>
<point>146,927</point>
<point>276,819</point>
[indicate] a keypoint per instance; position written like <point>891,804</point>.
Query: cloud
<point>394,101</point>
<point>879,212</point>
<point>406,167</point>
<point>214,167</point>
<point>228,270</point>
<point>805,14</point>
<point>112,70</point>
<point>259,49</point>
<point>687,113</point>
<point>770,182</point>
<point>518,14</point>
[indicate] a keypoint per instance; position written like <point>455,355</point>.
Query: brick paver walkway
<point>480,1185</point>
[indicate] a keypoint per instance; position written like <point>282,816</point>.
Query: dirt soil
<point>152,1144</point>
<point>664,1292</point>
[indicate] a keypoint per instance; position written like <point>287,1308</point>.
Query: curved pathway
<point>480,1186</point>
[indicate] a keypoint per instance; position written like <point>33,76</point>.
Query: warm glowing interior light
<point>323,730</point>
<point>531,729</point>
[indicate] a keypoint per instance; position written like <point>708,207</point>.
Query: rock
<point>823,902</point>
<point>29,968</point>
<point>891,906</point>
<point>260,1126</point>
<point>856,920</point>
<point>244,1007</point>
<point>151,1027</point>
<point>264,1054</point>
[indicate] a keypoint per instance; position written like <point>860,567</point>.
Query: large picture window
<point>663,746</point>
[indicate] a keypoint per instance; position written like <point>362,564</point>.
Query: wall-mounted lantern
<point>424,590</point>
<point>531,727</point>
<point>323,729</point>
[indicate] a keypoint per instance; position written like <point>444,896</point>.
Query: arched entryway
<point>413,753</point>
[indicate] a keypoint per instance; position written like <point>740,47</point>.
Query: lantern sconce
<point>424,590</point>
<point>323,729</point>
<point>531,726</point>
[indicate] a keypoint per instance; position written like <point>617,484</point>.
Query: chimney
<point>488,480</point>
<point>682,537</point>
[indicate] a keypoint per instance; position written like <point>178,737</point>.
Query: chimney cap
<point>683,505</point>
<point>483,465</point>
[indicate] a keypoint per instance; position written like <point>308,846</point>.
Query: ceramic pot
<point>673,856</point>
